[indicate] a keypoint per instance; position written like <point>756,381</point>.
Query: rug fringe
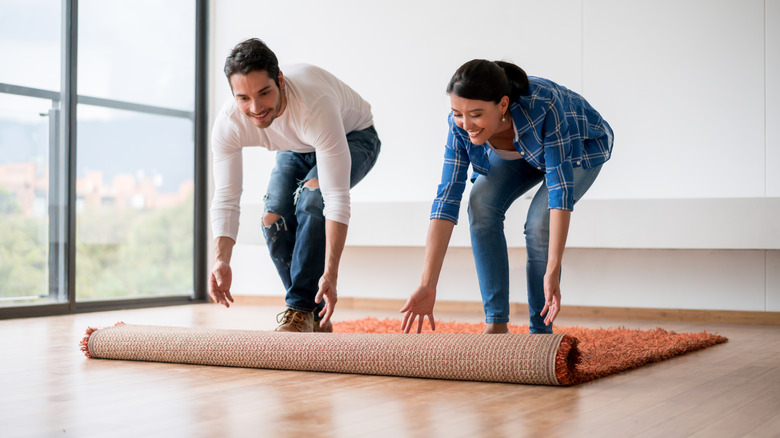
<point>566,361</point>
<point>84,344</point>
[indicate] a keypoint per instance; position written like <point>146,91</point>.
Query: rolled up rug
<point>510,358</point>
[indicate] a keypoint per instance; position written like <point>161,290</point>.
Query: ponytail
<point>480,79</point>
<point>517,78</point>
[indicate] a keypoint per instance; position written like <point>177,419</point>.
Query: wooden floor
<point>49,389</point>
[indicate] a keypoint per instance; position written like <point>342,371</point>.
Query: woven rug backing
<point>512,358</point>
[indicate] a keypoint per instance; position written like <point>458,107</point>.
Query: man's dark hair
<point>252,55</point>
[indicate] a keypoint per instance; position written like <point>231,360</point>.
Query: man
<point>323,133</point>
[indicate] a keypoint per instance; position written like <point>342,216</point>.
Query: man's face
<point>258,97</point>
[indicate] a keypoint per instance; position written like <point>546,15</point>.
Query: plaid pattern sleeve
<point>557,152</point>
<point>453,179</point>
<point>558,130</point>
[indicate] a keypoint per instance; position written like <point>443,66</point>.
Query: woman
<point>515,131</point>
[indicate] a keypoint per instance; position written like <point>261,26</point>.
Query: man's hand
<point>219,286</point>
<point>328,293</point>
<point>420,304</point>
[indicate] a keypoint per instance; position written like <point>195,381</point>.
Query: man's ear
<point>281,80</point>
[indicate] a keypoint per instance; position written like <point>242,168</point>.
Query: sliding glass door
<point>102,104</point>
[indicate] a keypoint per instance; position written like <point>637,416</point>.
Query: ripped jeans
<point>296,242</point>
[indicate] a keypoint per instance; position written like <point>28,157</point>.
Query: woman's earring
<point>503,117</point>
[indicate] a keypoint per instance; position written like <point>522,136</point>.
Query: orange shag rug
<point>602,352</point>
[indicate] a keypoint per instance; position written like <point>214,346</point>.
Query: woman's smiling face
<point>479,118</point>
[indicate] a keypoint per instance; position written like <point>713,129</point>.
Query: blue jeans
<point>489,200</point>
<point>296,241</point>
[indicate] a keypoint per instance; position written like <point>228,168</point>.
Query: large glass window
<point>99,147</point>
<point>24,200</point>
<point>30,43</point>
<point>140,51</point>
<point>134,186</point>
<point>30,49</point>
<point>134,203</point>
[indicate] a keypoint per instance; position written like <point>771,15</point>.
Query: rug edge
<point>84,344</point>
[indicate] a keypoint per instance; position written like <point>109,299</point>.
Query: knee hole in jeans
<point>270,218</point>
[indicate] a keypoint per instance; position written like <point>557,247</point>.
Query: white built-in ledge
<point>738,223</point>
<point>718,223</point>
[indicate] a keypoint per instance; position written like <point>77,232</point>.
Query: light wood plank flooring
<point>49,389</point>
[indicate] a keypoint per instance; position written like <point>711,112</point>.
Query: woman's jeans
<point>296,241</point>
<point>489,200</point>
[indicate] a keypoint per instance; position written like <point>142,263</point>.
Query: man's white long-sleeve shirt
<point>320,111</point>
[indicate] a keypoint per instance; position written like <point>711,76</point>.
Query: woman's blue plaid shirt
<point>556,130</point>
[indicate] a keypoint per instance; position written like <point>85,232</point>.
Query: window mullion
<point>68,143</point>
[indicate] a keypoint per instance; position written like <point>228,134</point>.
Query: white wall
<point>691,88</point>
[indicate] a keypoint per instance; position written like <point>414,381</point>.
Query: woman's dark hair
<point>252,55</point>
<point>480,79</point>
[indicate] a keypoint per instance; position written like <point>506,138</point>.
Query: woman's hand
<point>552,297</point>
<point>420,304</point>
<point>559,230</point>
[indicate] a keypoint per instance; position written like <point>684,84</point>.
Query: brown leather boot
<point>295,321</point>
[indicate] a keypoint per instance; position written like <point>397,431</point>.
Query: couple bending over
<point>514,130</point>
